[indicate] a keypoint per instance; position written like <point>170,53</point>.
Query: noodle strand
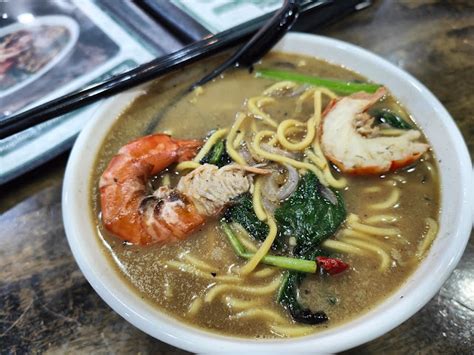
<point>231,137</point>
<point>264,248</point>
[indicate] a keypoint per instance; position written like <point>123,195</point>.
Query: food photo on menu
<point>45,52</point>
<point>25,52</point>
<point>48,49</point>
<point>218,176</point>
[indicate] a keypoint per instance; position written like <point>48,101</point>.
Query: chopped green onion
<point>344,87</point>
<point>308,266</point>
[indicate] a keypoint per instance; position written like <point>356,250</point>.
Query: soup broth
<point>196,280</point>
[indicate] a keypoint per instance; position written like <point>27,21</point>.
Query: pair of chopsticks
<point>275,28</point>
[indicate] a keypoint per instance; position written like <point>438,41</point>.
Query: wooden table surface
<point>47,305</point>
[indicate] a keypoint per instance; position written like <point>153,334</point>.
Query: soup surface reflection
<point>389,217</point>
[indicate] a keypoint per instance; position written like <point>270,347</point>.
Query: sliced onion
<point>300,90</point>
<point>275,193</point>
<point>291,183</point>
<point>269,205</point>
<point>274,150</point>
<point>244,152</point>
<point>270,187</point>
<point>328,194</point>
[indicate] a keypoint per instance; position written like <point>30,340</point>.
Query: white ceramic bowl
<point>455,224</point>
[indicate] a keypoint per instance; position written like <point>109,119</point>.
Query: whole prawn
<point>123,189</point>
<point>135,214</point>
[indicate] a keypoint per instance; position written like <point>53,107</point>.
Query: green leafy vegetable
<point>242,212</point>
<point>308,216</point>
<point>389,118</point>
<point>288,297</point>
<point>217,155</point>
<point>344,87</point>
<point>239,249</point>
<point>283,262</point>
<point>311,218</point>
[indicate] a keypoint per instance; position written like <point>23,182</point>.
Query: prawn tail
<point>187,149</point>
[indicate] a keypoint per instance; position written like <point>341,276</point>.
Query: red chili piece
<point>332,266</point>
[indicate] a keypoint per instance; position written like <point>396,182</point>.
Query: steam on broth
<point>310,236</point>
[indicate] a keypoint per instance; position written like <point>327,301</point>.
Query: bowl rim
<point>169,330</point>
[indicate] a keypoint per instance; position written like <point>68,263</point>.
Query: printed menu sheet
<point>48,49</point>
<point>220,15</point>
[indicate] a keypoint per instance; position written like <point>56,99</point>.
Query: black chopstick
<point>143,73</point>
<point>139,75</point>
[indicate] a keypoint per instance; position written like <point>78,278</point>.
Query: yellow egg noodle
<point>264,248</point>
<point>342,247</point>
<point>428,237</point>
<point>290,331</point>
<point>265,272</point>
<point>390,202</point>
<point>364,236</point>
<point>243,237</point>
<point>385,259</point>
<point>195,306</point>
<point>238,304</point>
<point>381,218</point>
<point>198,263</point>
<point>214,291</point>
<point>279,86</point>
<point>261,313</point>
<point>198,273</point>
<point>372,189</point>
<point>257,199</point>
<point>166,180</point>
<point>231,137</point>
<point>353,221</point>
<point>185,165</point>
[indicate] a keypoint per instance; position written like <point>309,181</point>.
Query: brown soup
<point>391,218</point>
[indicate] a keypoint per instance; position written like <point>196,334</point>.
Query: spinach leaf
<point>242,212</point>
<point>309,216</point>
<point>288,297</point>
<point>217,155</point>
<point>389,118</point>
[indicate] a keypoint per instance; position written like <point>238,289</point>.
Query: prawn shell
<point>124,185</point>
<point>173,218</point>
<point>374,170</point>
<point>363,170</point>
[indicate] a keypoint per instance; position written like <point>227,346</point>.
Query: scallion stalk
<point>234,241</point>
<point>344,87</point>
<point>308,266</point>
